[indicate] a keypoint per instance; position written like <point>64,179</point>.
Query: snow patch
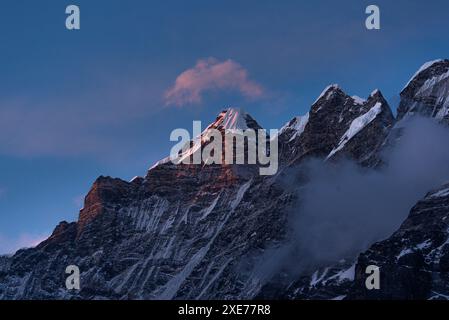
<point>358,100</point>
<point>424,245</point>
<point>430,83</point>
<point>439,194</point>
<point>348,274</point>
<point>208,210</point>
<point>439,296</point>
<point>315,279</point>
<point>214,278</point>
<point>298,124</point>
<point>403,253</point>
<point>339,298</point>
<point>356,126</point>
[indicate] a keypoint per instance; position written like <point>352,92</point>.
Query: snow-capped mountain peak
<point>233,119</point>
<point>228,119</point>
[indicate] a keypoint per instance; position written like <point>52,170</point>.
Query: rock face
<point>197,231</point>
<point>427,93</point>
<point>338,126</point>
<point>414,261</point>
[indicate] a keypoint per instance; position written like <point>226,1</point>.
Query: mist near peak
<point>343,208</point>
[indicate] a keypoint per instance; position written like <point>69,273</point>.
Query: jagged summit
<point>427,66</point>
<point>427,93</point>
<point>337,124</point>
<point>356,126</point>
<point>295,127</point>
<point>333,95</point>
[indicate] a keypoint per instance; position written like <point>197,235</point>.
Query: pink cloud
<point>211,75</point>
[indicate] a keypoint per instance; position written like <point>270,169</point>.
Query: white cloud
<point>211,75</point>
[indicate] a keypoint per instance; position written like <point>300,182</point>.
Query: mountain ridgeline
<point>203,231</point>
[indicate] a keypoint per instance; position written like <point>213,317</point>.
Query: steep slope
<point>427,92</point>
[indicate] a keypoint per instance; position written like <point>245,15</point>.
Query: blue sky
<point>78,104</point>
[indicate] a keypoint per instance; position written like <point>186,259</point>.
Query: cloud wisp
<point>211,75</point>
<point>344,208</point>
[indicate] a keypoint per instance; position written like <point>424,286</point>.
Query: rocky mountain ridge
<point>198,231</point>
